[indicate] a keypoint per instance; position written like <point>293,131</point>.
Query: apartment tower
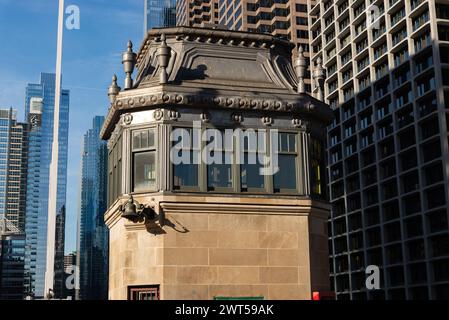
<point>159,14</point>
<point>388,162</point>
<point>196,13</point>
<point>285,19</point>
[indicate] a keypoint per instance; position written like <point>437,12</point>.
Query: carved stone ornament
<point>158,114</point>
<point>127,119</point>
<point>267,121</point>
<point>174,115</point>
<point>205,116</point>
<point>237,118</point>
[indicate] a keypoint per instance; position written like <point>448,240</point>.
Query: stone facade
<point>203,242</point>
<point>228,247</point>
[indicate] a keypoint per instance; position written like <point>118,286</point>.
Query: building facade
<point>12,258</point>
<point>39,109</point>
<point>196,13</point>
<point>13,171</point>
<point>92,232</point>
<point>13,168</point>
<point>159,14</point>
<point>285,19</point>
<point>216,228</point>
<point>388,73</point>
<point>70,265</point>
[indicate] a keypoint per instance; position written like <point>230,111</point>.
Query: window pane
<point>292,142</point>
<point>144,171</point>
<point>283,142</point>
<point>186,175</point>
<point>220,175</point>
<point>151,138</point>
<point>250,173</point>
<point>286,177</point>
<point>287,142</point>
<point>136,140</point>
<point>144,139</point>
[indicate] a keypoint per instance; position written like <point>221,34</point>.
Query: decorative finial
<point>114,89</point>
<point>163,56</point>
<point>300,68</point>
<point>129,62</point>
<point>319,75</point>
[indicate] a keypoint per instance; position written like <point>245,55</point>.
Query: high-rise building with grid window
<point>197,12</point>
<point>13,169</point>
<point>13,166</point>
<point>284,18</point>
<point>388,161</point>
<point>159,14</point>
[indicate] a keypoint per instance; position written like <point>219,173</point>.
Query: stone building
<point>185,227</point>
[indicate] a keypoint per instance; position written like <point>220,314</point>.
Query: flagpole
<point>53,185</point>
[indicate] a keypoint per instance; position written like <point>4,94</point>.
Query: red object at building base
<point>323,295</point>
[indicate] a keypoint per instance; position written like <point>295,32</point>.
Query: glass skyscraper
<point>159,14</point>
<point>92,257</point>
<point>12,246</point>
<point>39,108</point>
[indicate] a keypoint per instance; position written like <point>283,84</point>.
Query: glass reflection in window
<point>285,178</point>
<point>186,146</point>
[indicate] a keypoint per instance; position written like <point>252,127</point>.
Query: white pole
<point>53,187</point>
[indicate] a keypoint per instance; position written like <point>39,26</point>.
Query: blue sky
<point>91,56</point>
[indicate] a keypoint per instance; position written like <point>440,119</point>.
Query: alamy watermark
<point>72,281</point>
<point>213,146</point>
<point>73,20</point>
<point>372,281</point>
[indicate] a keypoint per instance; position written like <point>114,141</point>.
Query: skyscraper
<point>388,78</point>
<point>285,19</point>
<point>196,13</point>
<point>69,263</point>
<point>13,166</point>
<point>159,14</point>
<point>92,232</point>
<point>39,109</point>
<point>12,254</point>
<point>13,169</point>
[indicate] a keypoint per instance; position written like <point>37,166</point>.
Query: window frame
<point>115,170</point>
<point>297,163</point>
<point>221,150</point>
<point>144,289</point>
<point>266,180</point>
<point>198,187</point>
<point>301,166</point>
<point>153,149</point>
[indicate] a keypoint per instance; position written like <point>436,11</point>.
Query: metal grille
<point>144,293</point>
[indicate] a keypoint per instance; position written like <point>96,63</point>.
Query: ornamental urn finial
<point>319,75</point>
<point>300,68</point>
<point>114,90</point>
<point>129,59</point>
<point>163,56</point>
